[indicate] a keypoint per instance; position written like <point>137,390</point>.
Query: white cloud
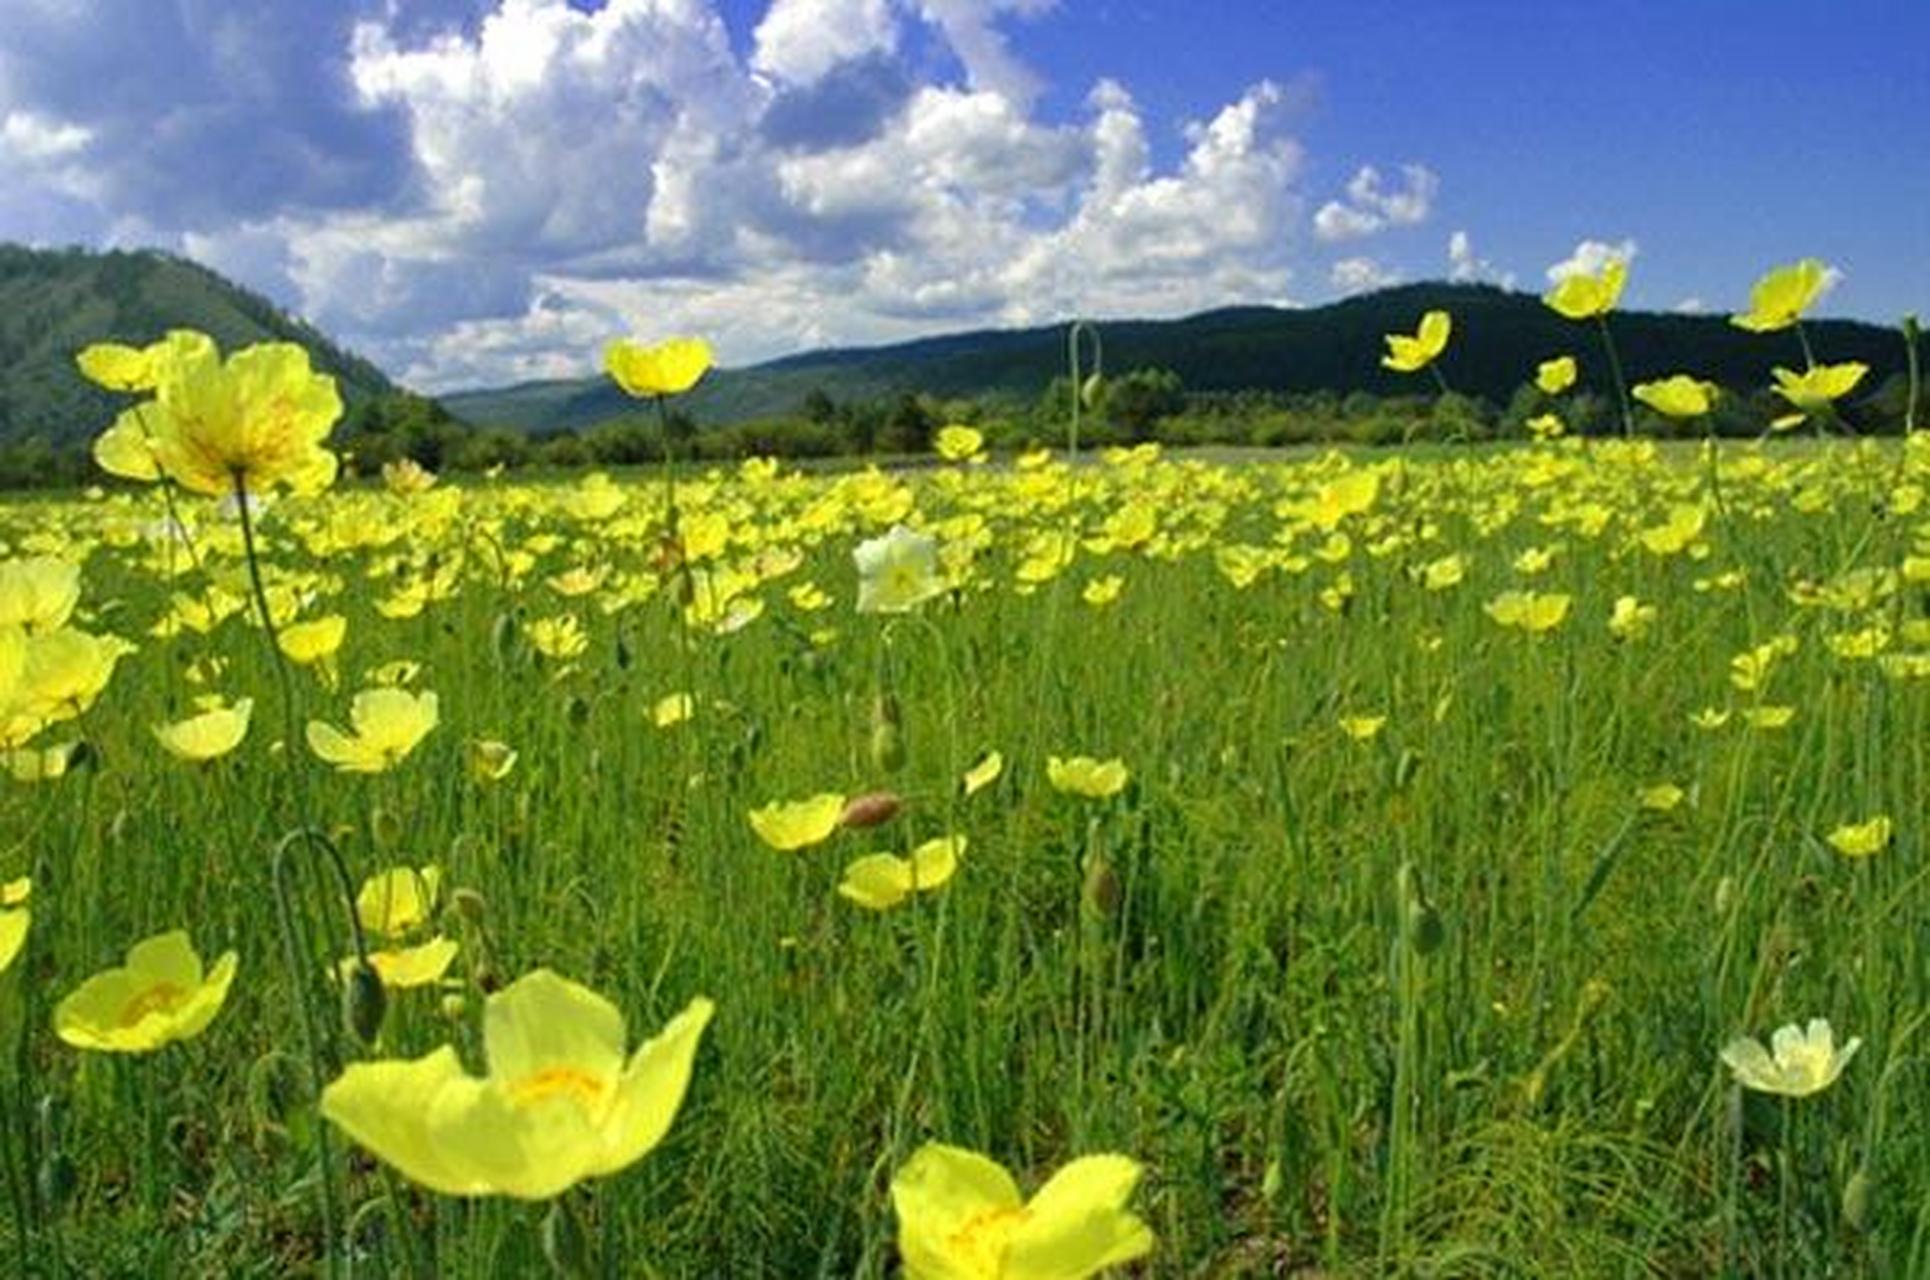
<point>1371,207</point>
<point>1690,306</point>
<point>1360,275</point>
<point>801,40</point>
<point>1466,265</point>
<point>1589,257</point>
<point>536,175</point>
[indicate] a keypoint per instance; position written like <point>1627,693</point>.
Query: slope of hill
<point>1498,339</point>
<point>54,302</point>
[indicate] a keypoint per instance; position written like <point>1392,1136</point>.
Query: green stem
<point>1615,371</point>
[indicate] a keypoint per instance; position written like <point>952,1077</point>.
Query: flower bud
<point>364,1002</point>
<point>1100,893</point>
<point>470,905</point>
<point>887,734</point>
<point>1856,1198</point>
<point>873,809</point>
<point>385,829</point>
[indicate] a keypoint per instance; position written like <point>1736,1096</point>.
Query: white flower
<point>1806,1060</point>
<point>898,572</point>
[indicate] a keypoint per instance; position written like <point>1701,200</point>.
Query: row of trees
<point>1142,405</point>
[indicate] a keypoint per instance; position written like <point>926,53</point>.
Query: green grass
<point>1310,1091</point>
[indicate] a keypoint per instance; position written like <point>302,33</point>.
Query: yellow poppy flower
<point>1630,619</point>
<point>1779,299</point>
<point>1862,839</point>
<point>1806,1060</point>
<point>489,760</point>
<point>787,825</point>
<point>961,1217</point>
<point>1528,610</point>
<point>1412,353</point>
<point>1815,389</point>
<point>1362,728</point>
<point>881,880</point>
<point>557,638</point>
<point>14,919</point>
<point>1555,376</point>
<point>984,773</point>
<point>1582,297</point>
<point>1101,592</point>
<point>397,900</point>
<point>314,639</point>
<point>671,710</point>
<point>387,724</point>
<point>666,369</point>
<point>38,594</point>
<point>1661,797</point>
<point>208,735</point>
<point>958,444</point>
<point>160,995</point>
<point>1676,396</point>
<point>1085,776</point>
<point>416,966</point>
<point>257,419</point>
<point>560,1103</point>
<point>39,764</point>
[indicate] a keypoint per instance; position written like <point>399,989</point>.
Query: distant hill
<point>1498,339</point>
<point>54,302</point>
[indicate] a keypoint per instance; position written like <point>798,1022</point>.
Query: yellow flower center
<point>981,1241</point>
<point>162,997</point>
<point>586,1090</point>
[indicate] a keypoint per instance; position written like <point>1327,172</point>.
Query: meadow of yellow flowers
<point>1440,863</point>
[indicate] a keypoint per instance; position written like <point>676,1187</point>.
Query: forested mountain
<point>54,302</point>
<point>1498,339</point>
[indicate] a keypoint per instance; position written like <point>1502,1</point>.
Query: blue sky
<point>476,191</point>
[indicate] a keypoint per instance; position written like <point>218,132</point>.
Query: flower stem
<point>1615,371</point>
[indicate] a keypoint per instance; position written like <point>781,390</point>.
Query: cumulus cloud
<point>1464,264</point>
<point>1360,275</point>
<point>476,191</point>
<point>1371,206</point>
<point>1589,257</point>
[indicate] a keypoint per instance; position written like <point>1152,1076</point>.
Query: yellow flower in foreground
<point>960,1217</point>
<point>670,367</point>
<point>208,735</point>
<point>1630,619</point>
<point>1555,376</point>
<point>1862,839</point>
<point>898,572</point>
<point>958,444</point>
<point>1779,299</point>
<point>387,724</point>
<point>258,419</point>
<point>786,825</point>
<point>1806,1060</point>
<point>397,900</point>
<point>1676,396</point>
<point>160,995</point>
<point>1581,297</point>
<point>1085,776</point>
<point>1813,390</point>
<point>882,880</point>
<point>560,1103</point>
<point>39,764</point>
<point>984,773</point>
<point>416,966</point>
<point>38,594</point>
<point>1410,354</point>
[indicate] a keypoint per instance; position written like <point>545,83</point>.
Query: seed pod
<point>1856,1198</point>
<point>1100,894</point>
<point>502,637</point>
<point>364,1002</point>
<point>470,905</point>
<point>873,809</point>
<point>1420,921</point>
<point>385,828</point>
<point>887,734</point>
